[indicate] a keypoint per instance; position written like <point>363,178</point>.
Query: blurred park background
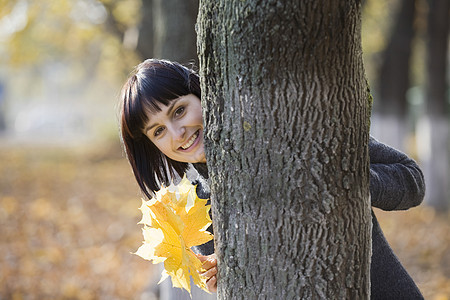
<point>68,201</point>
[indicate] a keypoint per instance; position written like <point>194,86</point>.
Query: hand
<point>210,265</point>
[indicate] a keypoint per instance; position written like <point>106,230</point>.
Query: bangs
<point>158,86</point>
<point>152,97</point>
<point>146,93</point>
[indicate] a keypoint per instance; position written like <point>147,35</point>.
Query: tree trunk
<point>167,30</point>
<point>436,135</point>
<point>145,42</point>
<point>174,25</point>
<point>286,112</point>
<point>391,106</point>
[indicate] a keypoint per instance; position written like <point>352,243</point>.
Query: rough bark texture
<point>286,111</point>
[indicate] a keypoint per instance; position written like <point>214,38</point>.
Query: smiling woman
<point>162,131</point>
<point>161,124</point>
<point>177,130</point>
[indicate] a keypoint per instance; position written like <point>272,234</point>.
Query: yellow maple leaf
<point>174,221</point>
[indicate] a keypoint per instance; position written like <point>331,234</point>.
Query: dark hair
<point>152,83</point>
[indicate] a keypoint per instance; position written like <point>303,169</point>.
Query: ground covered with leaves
<point>68,219</point>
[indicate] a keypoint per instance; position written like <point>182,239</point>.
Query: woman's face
<point>177,130</point>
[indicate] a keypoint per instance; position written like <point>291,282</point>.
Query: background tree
<point>166,29</point>
<point>391,106</point>
<point>286,108</point>
<point>174,23</point>
<point>74,55</point>
<point>434,142</point>
<point>105,37</point>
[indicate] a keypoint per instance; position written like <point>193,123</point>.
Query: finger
<point>209,273</point>
<point>202,258</point>
<point>209,263</point>
<point>211,284</point>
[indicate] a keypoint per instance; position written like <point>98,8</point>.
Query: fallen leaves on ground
<point>420,237</point>
<point>68,228</point>
<point>68,225</point>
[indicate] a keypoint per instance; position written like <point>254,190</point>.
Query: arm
<point>396,181</point>
<point>205,252</point>
<point>203,192</point>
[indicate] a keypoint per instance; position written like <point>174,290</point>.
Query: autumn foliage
<point>174,221</point>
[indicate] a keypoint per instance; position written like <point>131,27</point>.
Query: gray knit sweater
<point>396,183</point>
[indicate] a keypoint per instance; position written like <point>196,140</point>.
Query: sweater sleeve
<point>396,181</point>
<point>203,192</point>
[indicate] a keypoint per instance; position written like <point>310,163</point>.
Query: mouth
<point>191,141</point>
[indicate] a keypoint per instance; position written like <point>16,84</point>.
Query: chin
<point>200,159</point>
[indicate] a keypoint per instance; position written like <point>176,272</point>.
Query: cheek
<point>161,146</point>
<point>199,117</point>
<point>158,144</point>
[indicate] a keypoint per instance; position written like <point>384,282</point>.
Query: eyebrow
<point>169,111</point>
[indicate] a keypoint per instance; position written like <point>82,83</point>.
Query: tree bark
<point>286,111</point>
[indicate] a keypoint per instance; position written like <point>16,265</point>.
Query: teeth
<point>190,142</point>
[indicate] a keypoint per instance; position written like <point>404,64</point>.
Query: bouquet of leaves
<point>174,221</point>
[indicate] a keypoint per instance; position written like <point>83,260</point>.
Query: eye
<point>179,111</point>
<point>158,131</point>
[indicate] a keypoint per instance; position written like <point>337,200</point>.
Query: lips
<point>191,141</point>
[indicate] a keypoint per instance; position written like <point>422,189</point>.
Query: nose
<point>178,133</point>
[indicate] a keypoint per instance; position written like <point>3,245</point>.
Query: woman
<point>162,132</point>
